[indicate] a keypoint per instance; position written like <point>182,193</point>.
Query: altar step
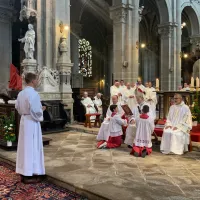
<point>3,144</point>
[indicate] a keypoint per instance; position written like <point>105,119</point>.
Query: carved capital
<point>166,30</point>
<point>119,14</point>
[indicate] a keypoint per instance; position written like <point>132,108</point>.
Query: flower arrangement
<point>195,109</point>
<point>7,124</point>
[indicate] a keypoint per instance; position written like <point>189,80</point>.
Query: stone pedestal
<point>29,65</point>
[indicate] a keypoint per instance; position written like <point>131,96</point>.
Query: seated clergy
<point>176,136</point>
<point>89,105</point>
<point>131,129</point>
<point>97,101</point>
<point>129,96</point>
<point>103,133</point>
<point>115,129</point>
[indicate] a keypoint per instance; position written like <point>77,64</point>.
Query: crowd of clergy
<point>139,125</point>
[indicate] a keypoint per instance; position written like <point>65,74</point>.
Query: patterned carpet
<point>11,188</point>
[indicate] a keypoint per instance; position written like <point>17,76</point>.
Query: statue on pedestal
<point>29,41</point>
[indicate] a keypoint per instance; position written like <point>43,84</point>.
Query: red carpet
<point>11,188</point>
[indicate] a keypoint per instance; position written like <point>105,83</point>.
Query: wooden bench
<point>97,120</point>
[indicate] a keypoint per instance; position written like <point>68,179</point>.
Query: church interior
<point>90,55</point>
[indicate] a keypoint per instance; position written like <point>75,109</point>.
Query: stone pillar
<point>62,51</point>
<point>167,56</point>
<point>125,17</point>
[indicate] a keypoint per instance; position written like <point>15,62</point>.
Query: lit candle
<point>197,82</point>
<point>192,82</point>
<point>157,83</point>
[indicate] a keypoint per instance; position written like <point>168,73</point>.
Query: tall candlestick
<point>192,82</point>
<point>157,83</point>
<point>197,82</point>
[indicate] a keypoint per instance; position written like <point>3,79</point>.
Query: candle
<point>192,82</point>
<point>197,82</point>
<point>157,83</point>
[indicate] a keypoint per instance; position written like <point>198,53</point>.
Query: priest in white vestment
<point>139,85</point>
<point>97,101</point>
<point>186,87</point>
<point>131,129</point>
<point>115,90</point>
<point>176,134</point>
<point>150,97</point>
<point>89,105</point>
<point>129,96</point>
<point>103,134</point>
<point>30,157</point>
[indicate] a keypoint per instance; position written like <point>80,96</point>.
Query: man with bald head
<point>103,133</point>
<point>129,96</point>
<point>176,136</point>
<point>89,105</point>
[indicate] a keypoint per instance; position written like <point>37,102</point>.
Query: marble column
<point>125,15</point>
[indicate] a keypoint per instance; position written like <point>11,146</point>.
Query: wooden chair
<point>97,120</point>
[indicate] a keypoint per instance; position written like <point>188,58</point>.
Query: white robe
<point>30,156</point>
<point>150,93</point>
<point>104,133</point>
<point>88,102</point>
<point>131,102</point>
<point>131,129</point>
<point>98,103</point>
<point>144,130</point>
<point>115,91</point>
<point>176,141</point>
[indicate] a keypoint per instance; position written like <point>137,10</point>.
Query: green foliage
<point>7,127</point>
<point>195,108</point>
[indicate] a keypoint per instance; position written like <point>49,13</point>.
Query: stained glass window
<point>85,58</point>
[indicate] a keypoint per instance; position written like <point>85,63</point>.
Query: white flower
<point>9,128</point>
<point>5,126</point>
<point>11,125</point>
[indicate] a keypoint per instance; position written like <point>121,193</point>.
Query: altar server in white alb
<point>30,157</point>
<point>131,129</point>
<point>89,105</point>
<point>129,96</point>
<point>176,136</point>
<point>103,134</point>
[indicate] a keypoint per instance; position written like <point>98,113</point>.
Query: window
<point>85,58</point>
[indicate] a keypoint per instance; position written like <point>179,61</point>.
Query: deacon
<point>30,157</point>
<point>139,85</point>
<point>89,105</point>
<point>103,133</point>
<point>131,129</point>
<point>129,97</point>
<point>176,134</point>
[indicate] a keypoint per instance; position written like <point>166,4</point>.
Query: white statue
<point>29,41</point>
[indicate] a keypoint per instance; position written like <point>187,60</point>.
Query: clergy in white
<point>129,97</point>
<point>150,97</point>
<point>176,133</point>
<point>115,90</point>
<point>97,101</point>
<point>30,157</point>
<point>103,133</point>
<point>131,129</point>
<point>89,105</point>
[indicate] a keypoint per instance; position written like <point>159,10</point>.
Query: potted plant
<point>8,129</point>
<point>195,111</point>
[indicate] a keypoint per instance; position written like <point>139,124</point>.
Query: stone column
<point>62,51</point>
<point>125,17</point>
<point>167,56</point>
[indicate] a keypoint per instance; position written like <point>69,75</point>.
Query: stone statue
<point>196,69</point>
<point>29,41</point>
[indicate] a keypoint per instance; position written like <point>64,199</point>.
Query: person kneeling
<point>144,128</point>
<point>115,129</point>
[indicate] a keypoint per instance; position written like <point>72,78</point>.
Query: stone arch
<point>193,14</point>
<point>163,8</point>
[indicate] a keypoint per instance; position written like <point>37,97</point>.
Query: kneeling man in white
<point>176,136</point>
